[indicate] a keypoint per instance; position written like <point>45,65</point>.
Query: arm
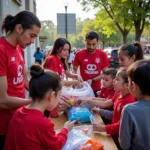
<point>74,69</point>
<point>125,130</point>
<point>99,77</point>
<point>102,104</point>
<point>113,129</point>
<point>9,102</point>
<point>51,140</point>
<point>71,75</point>
<point>106,114</point>
<point>70,83</point>
<point>26,81</point>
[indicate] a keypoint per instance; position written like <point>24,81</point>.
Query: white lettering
<point>91,72</point>
<point>18,80</point>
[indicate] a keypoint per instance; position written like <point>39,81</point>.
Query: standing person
<point>56,62</point>
<point>38,56</point>
<point>134,130</point>
<point>28,128</point>
<point>91,61</point>
<point>21,30</point>
<point>70,59</point>
<point>129,53</point>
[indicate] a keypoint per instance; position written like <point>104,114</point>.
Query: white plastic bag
<point>84,91</point>
<point>76,137</point>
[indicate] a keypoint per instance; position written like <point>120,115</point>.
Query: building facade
<point>13,7</point>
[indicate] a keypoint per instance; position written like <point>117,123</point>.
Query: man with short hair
<point>91,61</point>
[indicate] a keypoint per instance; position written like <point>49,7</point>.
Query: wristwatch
<point>93,80</point>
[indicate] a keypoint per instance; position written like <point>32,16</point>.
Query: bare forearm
<point>13,102</point>
<point>71,75</point>
<point>101,104</point>
<point>69,83</point>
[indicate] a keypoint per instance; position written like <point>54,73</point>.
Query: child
<point>129,53</point>
<point>119,100</point>
<point>107,92</point>
<point>28,128</point>
<point>134,130</point>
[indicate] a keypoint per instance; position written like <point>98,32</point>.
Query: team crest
<point>97,60</point>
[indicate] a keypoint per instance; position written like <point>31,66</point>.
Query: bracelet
<point>93,80</point>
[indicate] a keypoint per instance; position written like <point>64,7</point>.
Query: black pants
<point>2,141</point>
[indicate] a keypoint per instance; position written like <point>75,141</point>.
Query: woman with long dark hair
<point>57,62</point>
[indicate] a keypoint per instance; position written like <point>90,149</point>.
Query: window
<point>18,2</point>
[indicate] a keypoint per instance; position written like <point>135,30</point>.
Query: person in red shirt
<point>28,128</point>
<point>56,62</point>
<point>120,100</point>
<point>92,61</point>
<point>21,31</point>
<point>108,91</point>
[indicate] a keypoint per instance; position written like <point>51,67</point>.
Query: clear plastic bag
<point>74,94</point>
<point>77,137</point>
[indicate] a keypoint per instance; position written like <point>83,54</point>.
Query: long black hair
<point>25,18</point>
<point>58,46</point>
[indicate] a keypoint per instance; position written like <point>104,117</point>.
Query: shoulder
<point>129,98</point>
<point>81,51</point>
<point>101,52</point>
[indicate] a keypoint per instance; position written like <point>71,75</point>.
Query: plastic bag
<point>76,137</point>
<point>74,94</point>
<point>80,114</point>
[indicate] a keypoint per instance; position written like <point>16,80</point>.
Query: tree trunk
<point>124,38</point>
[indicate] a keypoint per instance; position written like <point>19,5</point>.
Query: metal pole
<point>66,25</point>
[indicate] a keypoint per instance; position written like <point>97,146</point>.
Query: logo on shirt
<point>97,60</point>
<point>19,78</point>
<point>91,69</point>
<point>12,58</point>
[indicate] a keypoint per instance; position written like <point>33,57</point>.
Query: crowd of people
<point>122,96</point>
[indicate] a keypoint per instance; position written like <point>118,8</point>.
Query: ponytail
<point>133,49</point>
<point>139,49</point>
<point>7,23</point>
<point>25,18</point>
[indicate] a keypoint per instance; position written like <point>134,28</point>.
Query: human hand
<point>79,78</point>
<point>63,103</point>
<point>83,101</point>
<point>99,128</point>
<point>89,82</point>
<point>95,110</point>
<point>69,125</point>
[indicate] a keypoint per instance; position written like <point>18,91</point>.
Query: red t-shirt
<point>91,64</point>
<point>108,94</point>
<point>119,104</point>
<point>55,64</point>
<point>11,66</point>
<point>30,130</point>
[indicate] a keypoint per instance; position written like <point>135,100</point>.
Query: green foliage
<point>48,30</point>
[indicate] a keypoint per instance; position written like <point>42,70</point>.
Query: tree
<point>115,11</point>
<point>140,13</point>
<point>48,30</point>
<point>124,13</point>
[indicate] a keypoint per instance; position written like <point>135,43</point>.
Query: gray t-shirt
<point>135,126</point>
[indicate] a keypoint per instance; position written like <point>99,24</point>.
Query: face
<point>119,83</point>
<point>91,45</point>
<point>107,81</point>
<point>64,51</point>
<point>27,37</point>
<point>54,100</point>
<point>125,61</point>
